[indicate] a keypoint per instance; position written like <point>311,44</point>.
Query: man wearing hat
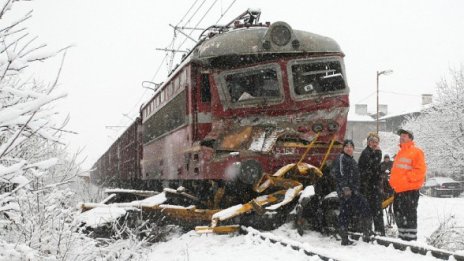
<point>407,177</point>
<point>371,188</point>
<point>352,203</point>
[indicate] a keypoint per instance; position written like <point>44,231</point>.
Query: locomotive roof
<point>249,41</point>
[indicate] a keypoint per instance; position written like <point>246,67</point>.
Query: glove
<point>346,192</point>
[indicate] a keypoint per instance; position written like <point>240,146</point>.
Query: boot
<point>366,225</point>
<point>345,240</point>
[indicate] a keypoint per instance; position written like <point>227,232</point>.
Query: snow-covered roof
<point>249,41</point>
<point>393,115</point>
<point>352,116</point>
<point>406,112</point>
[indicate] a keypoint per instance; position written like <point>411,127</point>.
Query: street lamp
<point>385,72</point>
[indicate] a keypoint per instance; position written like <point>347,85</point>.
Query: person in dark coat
<point>352,203</point>
<point>371,180</point>
<point>385,169</point>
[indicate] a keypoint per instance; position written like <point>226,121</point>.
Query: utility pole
<point>385,72</point>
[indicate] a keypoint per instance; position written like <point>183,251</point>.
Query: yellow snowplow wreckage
<point>288,179</point>
<point>291,189</point>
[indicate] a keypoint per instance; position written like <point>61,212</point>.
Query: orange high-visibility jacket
<point>408,171</point>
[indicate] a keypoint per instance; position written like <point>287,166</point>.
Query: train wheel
<point>251,172</point>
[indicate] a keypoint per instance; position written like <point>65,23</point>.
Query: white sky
<point>114,50</point>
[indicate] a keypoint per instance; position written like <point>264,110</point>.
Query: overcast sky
<point>114,50</point>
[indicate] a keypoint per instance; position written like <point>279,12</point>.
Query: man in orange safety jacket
<point>407,177</point>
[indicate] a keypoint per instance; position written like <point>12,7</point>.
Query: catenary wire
<point>188,11</point>
<point>222,14</point>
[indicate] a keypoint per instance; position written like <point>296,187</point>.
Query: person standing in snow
<point>371,181</point>
<point>407,177</point>
<point>352,203</point>
<point>385,170</point>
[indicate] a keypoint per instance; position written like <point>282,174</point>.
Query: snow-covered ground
<point>192,246</point>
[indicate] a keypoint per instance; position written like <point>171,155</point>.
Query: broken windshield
<point>252,84</point>
<point>317,77</point>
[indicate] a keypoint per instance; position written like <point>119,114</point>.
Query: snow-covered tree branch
<point>439,130</point>
<point>27,124</point>
<point>36,211</point>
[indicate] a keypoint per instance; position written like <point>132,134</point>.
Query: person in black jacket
<point>371,180</point>
<point>385,169</point>
<point>352,203</point>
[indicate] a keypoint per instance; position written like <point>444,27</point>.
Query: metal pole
<point>385,72</point>
<point>180,31</point>
<point>377,102</point>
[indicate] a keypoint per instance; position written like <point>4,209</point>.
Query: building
<point>361,122</point>
<point>394,121</point>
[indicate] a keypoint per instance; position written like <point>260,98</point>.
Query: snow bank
<point>16,252</point>
<point>100,216</point>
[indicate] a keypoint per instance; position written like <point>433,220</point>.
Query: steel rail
<point>413,247</point>
<point>397,244</point>
<point>295,245</point>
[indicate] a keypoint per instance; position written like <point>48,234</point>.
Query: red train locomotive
<point>247,104</point>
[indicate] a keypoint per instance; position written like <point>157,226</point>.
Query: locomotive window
<point>317,77</point>
<point>252,84</point>
<point>204,88</point>
<point>169,117</point>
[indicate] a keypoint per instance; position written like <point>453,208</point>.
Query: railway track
<point>295,245</point>
<point>415,248</point>
<point>328,254</point>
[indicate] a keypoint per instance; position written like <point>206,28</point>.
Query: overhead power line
<point>201,19</point>
<point>367,97</point>
<point>196,11</point>
<point>222,14</point>
<point>403,94</point>
<point>171,50</point>
<point>188,11</point>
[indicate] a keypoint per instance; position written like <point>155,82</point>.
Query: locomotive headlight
<point>281,35</point>
<point>332,126</point>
